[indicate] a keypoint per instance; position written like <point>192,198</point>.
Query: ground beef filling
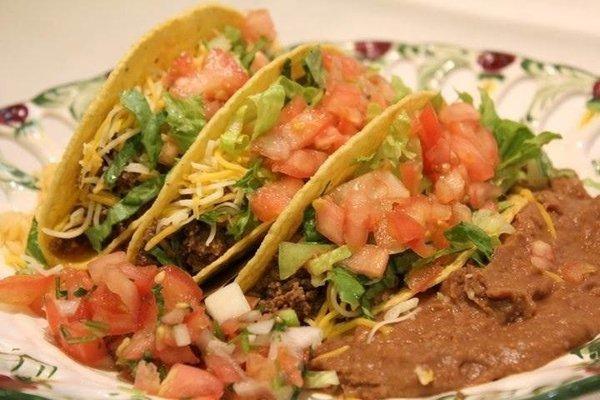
<point>296,293</point>
<point>195,254</point>
<point>490,322</point>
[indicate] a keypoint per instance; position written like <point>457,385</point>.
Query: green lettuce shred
<point>233,140</point>
<point>150,123</point>
<point>186,119</point>
<point>268,105</point>
<point>130,149</point>
<point>124,209</point>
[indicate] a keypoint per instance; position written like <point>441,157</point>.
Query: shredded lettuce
<point>124,209</point>
<point>254,178</point>
<point>150,123</point>
<point>313,65</point>
<point>268,106</point>
<point>397,146</point>
<point>130,149</point>
<point>400,88</point>
<point>517,145</point>
<point>465,97</point>
<point>233,140</point>
<point>347,285</point>
<point>309,226</point>
<point>33,248</point>
<point>492,223</point>
<point>185,117</point>
<point>289,317</point>
<point>318,266</point>
<point>242,223</point>
<point>467,235</point>
<point>320,379</point>
<point>161,256</point>
<point>292,256</point>
<point>311,94</point>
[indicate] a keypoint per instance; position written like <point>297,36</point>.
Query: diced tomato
<point>384,237</point>
<point>458,112</point>
<point>184,381</point>
<point>450,187</point>
<point>224,368</point>
<point>260,60</point>
<point>258,24</point>
<point>143,277</point>
<point>330,219</point>
<point>430,131</point>
<point>291,366</point>
<point>219,78</point>
<point>108,308</point>
<point>174,355</point>
<point>478,168</point>
<point>341,67</point>
<point>72,279</point>
<point>369,260</point>
<point>260,367</point>
<point>211,107</point>
<point>147,378</point>
<point>270,200</point>
<point>291,110</point>
<point>346,102</point>
<point>53,316</point>
<point>411,175</point>
<point>405,228</point>
<point>302,163</point>
<point>78,341</point>
<point>356,220</point>
<point>378,89</point>
<point>182,66</point>
<point>179,287</point>
<point>299,132</point>
<point>197,322</point>
<point>230,327</point>
<point>139,344</point>
<point>330,139</point>
<point>482,193</point>
<point>24,289</point>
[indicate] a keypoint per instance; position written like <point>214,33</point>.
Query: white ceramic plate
<point>546,96</point>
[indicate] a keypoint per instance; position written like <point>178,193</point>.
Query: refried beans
<point>487,323</point>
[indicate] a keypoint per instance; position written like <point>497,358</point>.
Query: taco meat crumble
<point>296,293</point>
<point>487,323</point>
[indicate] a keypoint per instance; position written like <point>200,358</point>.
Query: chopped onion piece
<point>218,347</point>
<point>401,308</point>
<point>424,375</point>
<point>302,337</point>
<point>261,327</point>
<point>226,303</point>
<point>67,308</point>
<point>181,334</point>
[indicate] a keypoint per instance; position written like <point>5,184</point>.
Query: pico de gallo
<point>439,192</point>
<point>155,326</point>
<point>272,145</point>
<point>142,137</point>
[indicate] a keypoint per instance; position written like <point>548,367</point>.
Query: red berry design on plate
<point>492,61</point>
<point>13,115</point>
<point>372,50</point>
<point>596,90</point>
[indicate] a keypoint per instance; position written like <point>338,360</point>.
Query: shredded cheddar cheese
<point>210,184</point>
<point>332,353</point>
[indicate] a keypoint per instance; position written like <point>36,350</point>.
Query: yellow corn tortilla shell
<point>154,51</point>
<point>212,131</point>
<point>337,169</point>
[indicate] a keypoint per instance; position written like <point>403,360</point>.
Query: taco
<point>425,189</point>
<point>245,169</point>
<point>145,117</point>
